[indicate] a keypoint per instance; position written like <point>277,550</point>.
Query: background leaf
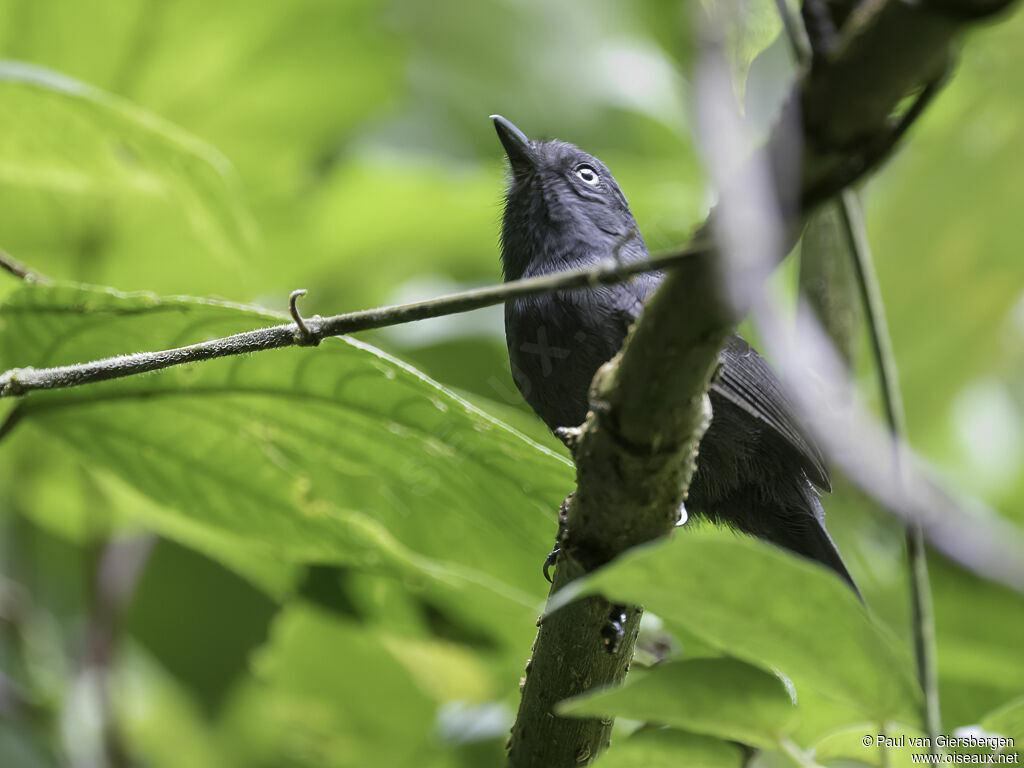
<point>670,748</point>
<point>709,582</point>
<point>315,672</point>
<point>65,138</point>
<point>1007,721</point>
<point>267,442</point>
<point>717,697</point>
<point>848,744</point>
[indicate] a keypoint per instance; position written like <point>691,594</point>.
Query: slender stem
<point>922,617</point>
<point>802,758</point>
<point>19,381</point>
<point>9,264</point>
<point>883,749</point>
<point>878,326</point>
<point>796,34</point>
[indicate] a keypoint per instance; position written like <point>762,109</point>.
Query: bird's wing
<point>747,381</point>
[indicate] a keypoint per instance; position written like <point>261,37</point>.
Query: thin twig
<point>18,381</point>
<point>800,757</point>
<point>874,152</point>
<point>796,33</point>
<point>302,336</point>
<point>922,617</point>
<point>10,264</point>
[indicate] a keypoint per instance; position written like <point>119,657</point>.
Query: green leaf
<point>718,697</point>
<point>849,744</point>
<point>828,280</point>
<point>328,694</point>
<point>757,25</point>
<point>669,748</point>
<point>1008,720</point>
<point>978,670</point>
<point>71,139</point>
<point>336,454</point>
<point>161,721</point>
<point>179,587</point>
<point>89,502</point>
<point>822,715</point>
<point>767,607</point>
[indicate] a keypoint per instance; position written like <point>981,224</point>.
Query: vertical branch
<point>568,658</point>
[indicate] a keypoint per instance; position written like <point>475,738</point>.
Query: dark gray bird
<point>756,469</point>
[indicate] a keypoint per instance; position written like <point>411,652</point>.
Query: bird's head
<point>563,208</point>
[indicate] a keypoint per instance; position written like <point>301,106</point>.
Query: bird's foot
<point>614,630</point>
<point>549,562</point>
<point>570,436</point>
<point>560,539</point>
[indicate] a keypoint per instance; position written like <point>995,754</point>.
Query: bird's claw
<point>570,436</point>
<point>614,629</point>
<point>549,561</point>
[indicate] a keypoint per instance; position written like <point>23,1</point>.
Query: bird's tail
<point>787,513</point>
<point>806,535</point>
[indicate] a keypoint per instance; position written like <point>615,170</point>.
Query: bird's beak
<point>517,146</point>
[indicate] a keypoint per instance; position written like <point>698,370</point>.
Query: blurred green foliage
<point>344,568</point>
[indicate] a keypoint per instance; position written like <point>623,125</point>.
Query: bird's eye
<point>587,175</point>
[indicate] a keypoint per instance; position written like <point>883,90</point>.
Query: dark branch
<point>19,381</point>
<point>9,264</point>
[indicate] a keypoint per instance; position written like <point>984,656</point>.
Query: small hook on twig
<point>303,336</point>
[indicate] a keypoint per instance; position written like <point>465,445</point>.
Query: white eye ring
<point>587,175</point>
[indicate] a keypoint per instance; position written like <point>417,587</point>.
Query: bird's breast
<point>556,343</point>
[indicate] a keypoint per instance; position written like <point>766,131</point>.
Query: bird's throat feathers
<point>553,223</point>
<point>538,233</point>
